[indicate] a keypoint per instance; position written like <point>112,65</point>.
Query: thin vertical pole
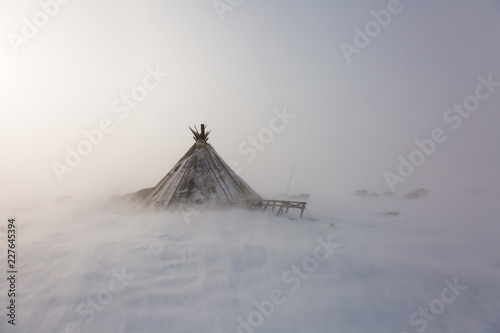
<point>290,179</point>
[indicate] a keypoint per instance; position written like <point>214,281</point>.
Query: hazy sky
<point>234,69</point>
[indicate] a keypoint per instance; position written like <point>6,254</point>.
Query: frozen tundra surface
<point>433,268</point>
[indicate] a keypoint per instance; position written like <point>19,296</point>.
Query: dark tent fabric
<point>200,177</point>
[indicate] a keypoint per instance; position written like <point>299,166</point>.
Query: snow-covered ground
<point>433,268</point>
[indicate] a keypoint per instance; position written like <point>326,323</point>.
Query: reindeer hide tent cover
<point>200,177</point>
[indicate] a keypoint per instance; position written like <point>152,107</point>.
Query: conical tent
<point>200,177</point>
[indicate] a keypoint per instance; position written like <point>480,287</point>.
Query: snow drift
<point>432,268</point>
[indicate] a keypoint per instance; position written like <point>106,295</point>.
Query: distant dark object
<point>361,193</point>
<point>366,194</point>
<point>389,214</point>
<point>417,194</point>
<point>65,199</point>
